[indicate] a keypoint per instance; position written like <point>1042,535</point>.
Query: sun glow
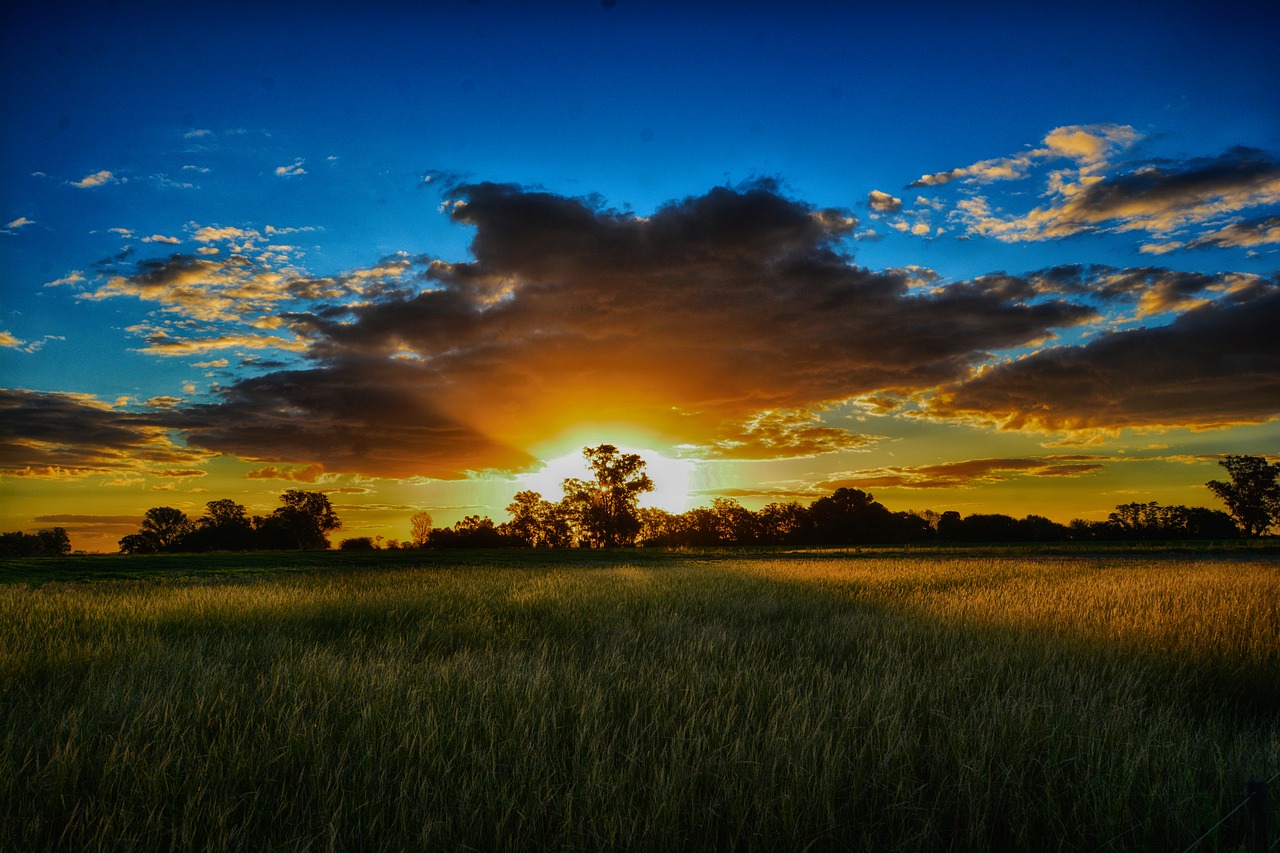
<point>672,478</point>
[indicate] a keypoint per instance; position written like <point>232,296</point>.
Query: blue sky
<point>232,147</point>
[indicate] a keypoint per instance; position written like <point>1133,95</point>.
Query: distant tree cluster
<point>604,512</point>
<point>52,542</point>
<point>301,523</point>
<point>601,512</point>
<point>1139,521</point>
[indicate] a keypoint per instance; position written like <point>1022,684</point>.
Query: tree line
<point>602,511</point>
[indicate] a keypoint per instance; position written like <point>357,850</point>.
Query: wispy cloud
<point>97,179</point>
<point>292,170</point>
<point>966,473</point>
<point>1157,199</point>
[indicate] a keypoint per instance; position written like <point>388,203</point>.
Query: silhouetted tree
<point>537,523</point>
<point>783,522</point>
<point>224,527</point>
<point>847,517</point>
<point>359,543</point>
<point>420,528</point>
<point>138,543</point>
<point>1253,495</point>
<point>167,526</point>
<point>272,533</point>
<point>474,531</point>
<point>604,509</point>
<point>308,516</point>
<point>1202,523</point>
<point>950,526</point>
<point>657,526</point>
<point>734,522</point>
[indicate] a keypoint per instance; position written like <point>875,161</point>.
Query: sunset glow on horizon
<point>958,260</point>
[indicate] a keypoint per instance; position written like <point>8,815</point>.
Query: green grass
<point>642,701</point>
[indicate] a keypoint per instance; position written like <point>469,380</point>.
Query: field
<point>771,701</point>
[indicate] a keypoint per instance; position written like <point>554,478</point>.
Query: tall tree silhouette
<point>1253,495</point>
<point>605,508</point>
<point>308,516</point>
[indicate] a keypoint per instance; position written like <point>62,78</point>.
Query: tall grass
<point>865,704</point>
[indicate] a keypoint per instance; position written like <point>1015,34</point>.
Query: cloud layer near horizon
<point>722,323</point>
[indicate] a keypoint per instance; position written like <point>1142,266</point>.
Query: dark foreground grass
<point>768,702</point>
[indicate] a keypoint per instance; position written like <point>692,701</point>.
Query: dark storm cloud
<point>53,434</point>
<point>1215,365</point>
<point>710,322</point>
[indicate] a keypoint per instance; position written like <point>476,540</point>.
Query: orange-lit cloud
<point>1158,198</point>
<point>717,322</point>
<point>96,179</point>
<point>309,474</point>
<point>970,472</point>
<point>1089,145</point>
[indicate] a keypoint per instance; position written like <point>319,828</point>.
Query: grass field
<point>639,701</point>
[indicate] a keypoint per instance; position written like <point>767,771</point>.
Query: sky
<point>973,257</point>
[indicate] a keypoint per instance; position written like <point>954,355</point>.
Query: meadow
<point>640,700</point>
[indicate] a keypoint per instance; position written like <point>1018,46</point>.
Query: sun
<point>673,478</point>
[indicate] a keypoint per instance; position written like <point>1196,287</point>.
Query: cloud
<point>882,202</point>
<point>160,238</point>
<point>966,473</point>
<point>984,171</point>
<point>791,433</point>
<point>217,234</point>
<point>97,179</point>
<point>1253,232</point>
<point>61,435</point>
<point>1152,290</point>
<point>1088,145</point>
<point>161,343</point>
<point>15,225</point>
<point>309,474</point>
<point>574,314</point>
<point>1215,365</point>
<point>198,133</point>
<point>1157,198</point>
<point>364,420</point>
<point>8,341</point>
<point>292,170</point>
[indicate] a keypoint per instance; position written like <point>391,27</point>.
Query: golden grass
<point>1063,703</point>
